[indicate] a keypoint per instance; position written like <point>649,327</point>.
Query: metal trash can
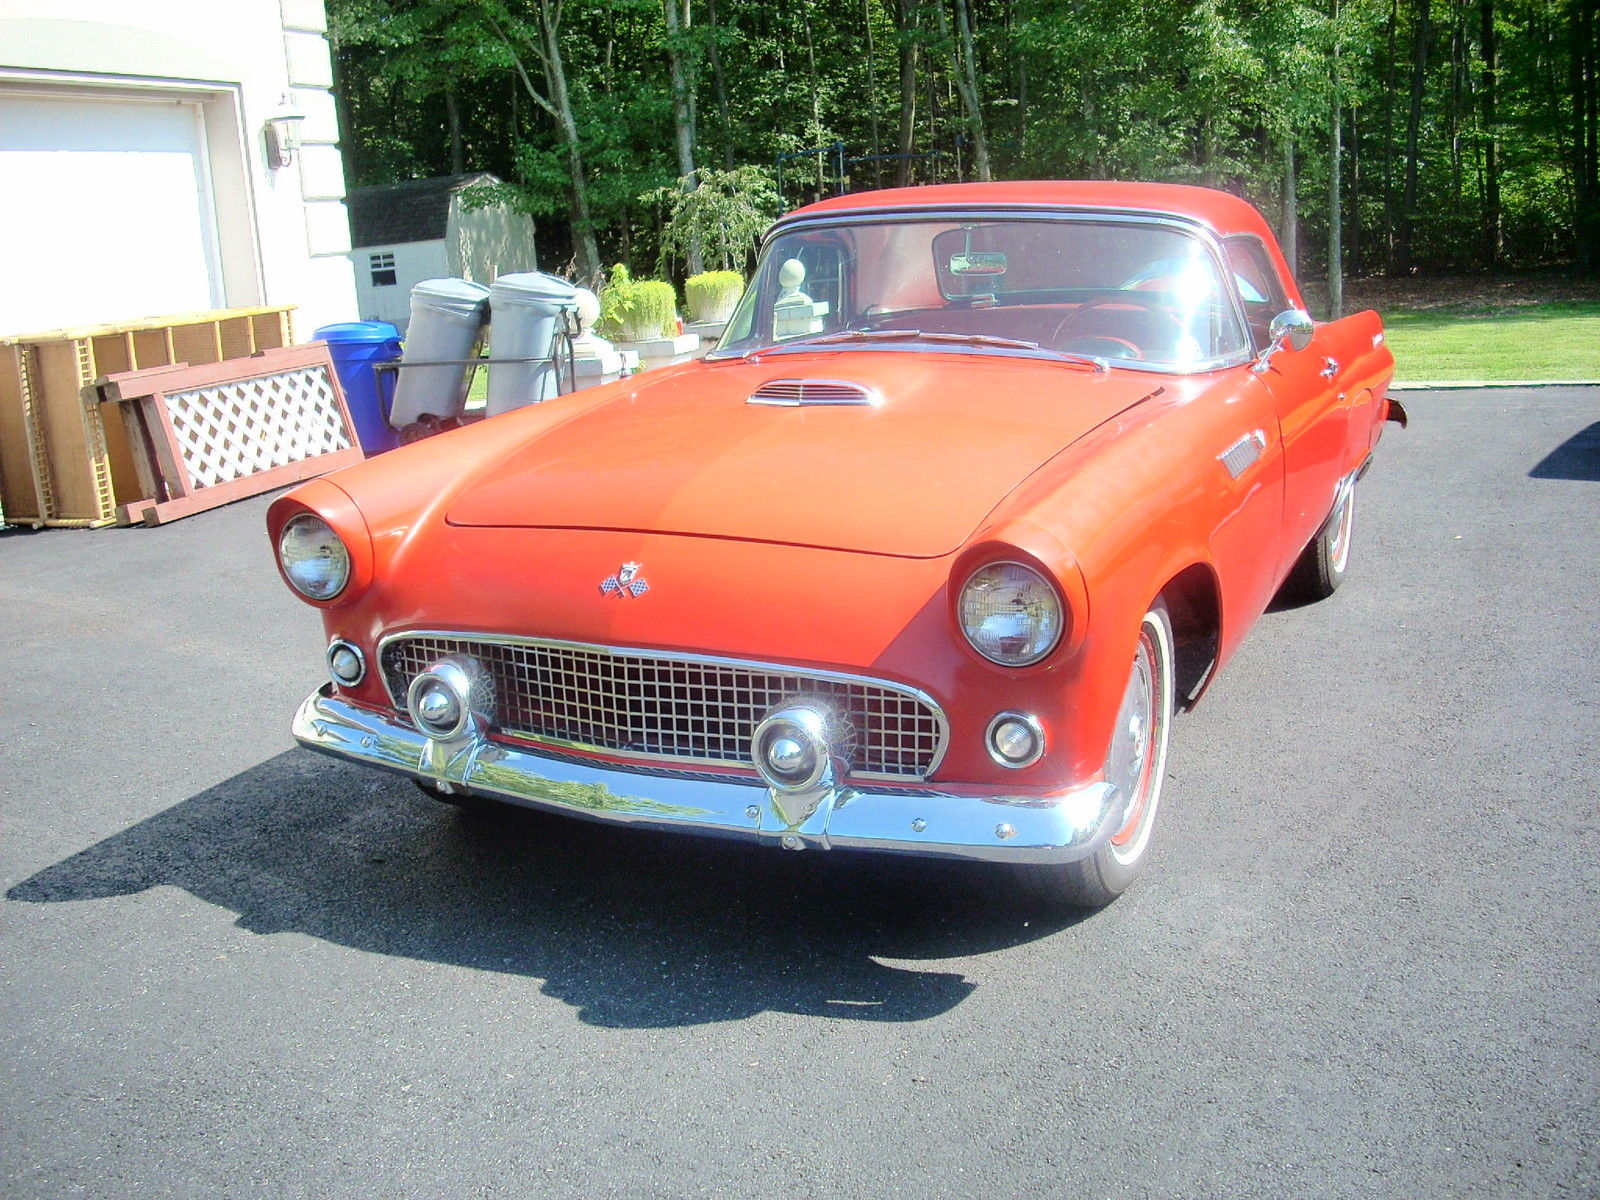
<point>446,317</point>
<point>527,308</point>
<point>354,347</point>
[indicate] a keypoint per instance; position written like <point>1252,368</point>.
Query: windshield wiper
<point>917,335</point>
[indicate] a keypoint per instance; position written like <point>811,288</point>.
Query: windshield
<point>1129,292</point>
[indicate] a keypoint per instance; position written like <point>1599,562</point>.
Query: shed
<point>403,233</point>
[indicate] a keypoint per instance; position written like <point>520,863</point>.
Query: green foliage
<point>1214,92</point>
<point>724,214</point>
<point>712,294</point>
<point>637,309</point>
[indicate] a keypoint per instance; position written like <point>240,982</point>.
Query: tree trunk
<point>1352,235</point>
<point>1335,212</point>
<point>721,81</point>
<point>1391,216</point>
<point>1419,75</point>
<point>1583,66</point>
<point>1493,233</point>
<point>1290,232</point>
<point>816,100</point>
<point>682,111</point>
<point>452,113</point>
<point>906,28</point>
<point>872,90</point>
<point>966,80</point>
<point>555,72</point>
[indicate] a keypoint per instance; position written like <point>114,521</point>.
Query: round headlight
<point>1011,614</point>
<point>314,559</point>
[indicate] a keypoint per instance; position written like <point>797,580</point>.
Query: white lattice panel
<point>233,430</point>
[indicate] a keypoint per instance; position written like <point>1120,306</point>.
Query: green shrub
<point>711,295</point>
<point>637,310</point>
<point>724,215</point>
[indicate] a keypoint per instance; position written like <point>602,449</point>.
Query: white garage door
<point>105,212</point>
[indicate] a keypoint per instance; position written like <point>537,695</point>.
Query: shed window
<point>382,270</point>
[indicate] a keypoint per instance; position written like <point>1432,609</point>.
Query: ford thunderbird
<point>982,484</point>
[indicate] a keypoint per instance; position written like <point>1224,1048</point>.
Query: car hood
<point>682,451</point>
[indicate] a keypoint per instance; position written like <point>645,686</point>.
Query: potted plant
<point>712,295</point>
<point>638,310</point>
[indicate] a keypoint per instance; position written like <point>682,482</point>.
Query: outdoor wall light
<point>282,133</point>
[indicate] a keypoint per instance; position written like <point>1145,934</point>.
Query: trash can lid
<point>357,331</point>
<point>531,287</point>
<point>459,296</point>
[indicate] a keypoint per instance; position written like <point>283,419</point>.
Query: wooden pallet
<point>67,463</point>
<point>203,436</point>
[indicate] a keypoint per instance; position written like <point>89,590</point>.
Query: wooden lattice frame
<point>208,435</point>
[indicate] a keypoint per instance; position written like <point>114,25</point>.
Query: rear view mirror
<point>978,262</point>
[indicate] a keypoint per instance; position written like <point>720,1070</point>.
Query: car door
<point>1307,394</point>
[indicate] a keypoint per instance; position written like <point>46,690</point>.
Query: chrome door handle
<point>1330,368</point>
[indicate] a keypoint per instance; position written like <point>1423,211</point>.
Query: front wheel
<point>1136,764</point>
<point>466,802</point>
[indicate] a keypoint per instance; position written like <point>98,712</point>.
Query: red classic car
<point>982,483</point>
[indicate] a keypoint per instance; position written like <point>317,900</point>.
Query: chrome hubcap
<point>1132,764</point>
<point>1343,521</point>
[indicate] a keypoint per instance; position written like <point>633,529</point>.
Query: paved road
<point>1364,962</point>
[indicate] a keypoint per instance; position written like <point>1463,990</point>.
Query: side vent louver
<point>794,393</point>
<point>1241,456</point>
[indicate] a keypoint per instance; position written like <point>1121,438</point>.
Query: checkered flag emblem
<point>626,582</point>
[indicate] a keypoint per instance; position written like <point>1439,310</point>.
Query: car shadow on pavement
<point>1576,458</point>
<point>632,929</point>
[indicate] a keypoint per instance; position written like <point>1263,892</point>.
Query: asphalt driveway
<point>1363,961</point>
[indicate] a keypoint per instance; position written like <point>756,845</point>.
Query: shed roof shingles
<point>414,211</point>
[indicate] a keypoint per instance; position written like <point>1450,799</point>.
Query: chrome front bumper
<point>1044,829</point>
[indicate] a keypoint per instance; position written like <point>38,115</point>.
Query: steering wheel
<point>1100,345</point>
<point>1116,300</point>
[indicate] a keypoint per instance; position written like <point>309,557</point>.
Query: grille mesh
<point>673,709</point>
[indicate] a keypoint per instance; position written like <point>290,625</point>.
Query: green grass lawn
<point>1548,341</point>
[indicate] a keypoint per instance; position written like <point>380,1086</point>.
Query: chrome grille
<point>672,709</point>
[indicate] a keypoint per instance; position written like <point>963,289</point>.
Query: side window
<point>1258,284</point>
<point>382,267</point>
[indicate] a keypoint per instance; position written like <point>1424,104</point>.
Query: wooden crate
<point>65,461</point>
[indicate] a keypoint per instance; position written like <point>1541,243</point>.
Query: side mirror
<point>1292,329</point>
<point>1293,326</point>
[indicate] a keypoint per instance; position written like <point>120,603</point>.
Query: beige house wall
<point>283,235</point>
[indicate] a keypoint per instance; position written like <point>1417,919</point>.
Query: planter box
<point>662,352</point>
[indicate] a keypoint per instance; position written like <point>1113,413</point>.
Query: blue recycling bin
<point>354,347</point>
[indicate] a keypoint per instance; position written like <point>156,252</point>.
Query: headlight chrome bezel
<point>1038,650</point>
<point>342,560</point>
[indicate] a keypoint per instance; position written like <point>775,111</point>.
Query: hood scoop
<point>807,393</point>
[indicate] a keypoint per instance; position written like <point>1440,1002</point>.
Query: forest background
<point>1393,137</point>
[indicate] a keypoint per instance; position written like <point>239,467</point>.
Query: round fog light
<point>792,747</point>
<point>438,708</point>
<point>1015,740</point>
<point>788,758</point>
<point>451,697</point>
<point>346,664</point>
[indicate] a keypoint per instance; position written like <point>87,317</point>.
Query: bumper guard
<point>1040,829</point>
